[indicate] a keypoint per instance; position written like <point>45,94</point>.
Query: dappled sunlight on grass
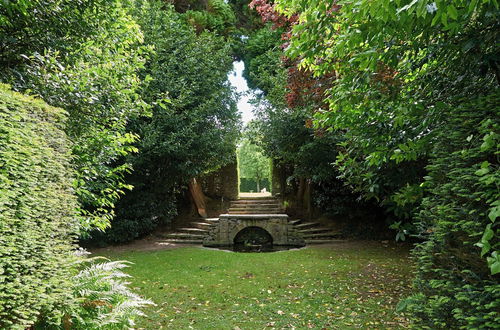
<point>350,285</point>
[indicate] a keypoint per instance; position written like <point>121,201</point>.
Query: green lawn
<point>349,285</point>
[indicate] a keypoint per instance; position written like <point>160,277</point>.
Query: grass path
<point>348,285</point>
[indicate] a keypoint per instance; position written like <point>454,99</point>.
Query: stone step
<point>324,241</point>
<point>251,206</point>
<point>185,235</point>
<point>280,216</point>
<point>202,225</point>
<point>268,200</point>
<point>193,230</point>
<point>294,222</point>
<point>256,212</point>
<point>255,205</point>
<point>256,199</point>
<point>306,224</point>
<point>314,230</point>
<point>259,209</point>
<point>183,241</point>
<point>211,220</point>
<point>321,235</point>
<point>255,202</point>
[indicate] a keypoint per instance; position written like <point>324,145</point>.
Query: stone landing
<point>229,225</point>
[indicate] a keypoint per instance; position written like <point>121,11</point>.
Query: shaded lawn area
<point>346,285</point>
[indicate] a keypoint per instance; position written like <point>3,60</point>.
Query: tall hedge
<point>37,224</point>
<point>456,287</point>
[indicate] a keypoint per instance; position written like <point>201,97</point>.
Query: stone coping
<point>252,216</point>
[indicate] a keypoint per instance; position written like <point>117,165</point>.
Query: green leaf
<point>452,12</point>
<point>402,305</point>
<point>488,233</point>
<point>472,6</point>
<point>444,19</point>
<point>489,141</point>
<point>494,213</point>
<point>494,263</point>
<point>436,18</point>
<point>421,9</point>
<point>482,171</point>
<point>495,267</point>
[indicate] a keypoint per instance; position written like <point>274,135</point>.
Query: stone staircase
<point>191,233</point>
<point>315,232</point>
<point>194,232</point>
<point>263,205</point>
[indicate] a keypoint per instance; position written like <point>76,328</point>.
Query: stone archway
<point>253,236</point>
<point>276,225</point>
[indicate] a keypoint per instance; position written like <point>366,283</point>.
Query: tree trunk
<point>307,199</point>
<point>198,197</point>
<point>258,185</point>
<point>300,193</point>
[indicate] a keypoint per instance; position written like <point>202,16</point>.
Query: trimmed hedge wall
<point>37,223</point>
<point>247,185</point>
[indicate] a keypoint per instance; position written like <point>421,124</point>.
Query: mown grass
<point>349,285</point>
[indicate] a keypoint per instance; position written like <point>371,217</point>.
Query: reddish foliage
<point>269,14</point>
<point>304,88</point>
<point>386,78</point>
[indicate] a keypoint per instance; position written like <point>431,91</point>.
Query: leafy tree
<point>406,74</point>
<point>194,123</point>
<point>212,15</point>
<point>62,52</point>
<point>31,26</point>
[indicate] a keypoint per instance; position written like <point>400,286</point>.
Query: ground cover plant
<point>348,285</point>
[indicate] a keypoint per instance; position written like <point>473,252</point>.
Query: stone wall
<point>223,183</point>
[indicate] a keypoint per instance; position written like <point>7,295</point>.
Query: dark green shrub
<point>357,217</point>
<point>37,206</point>
<point>457,287</point>
<point>139,213</point>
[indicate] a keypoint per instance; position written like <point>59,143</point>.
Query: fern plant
<point>102,298</point>
<point>106,302</point>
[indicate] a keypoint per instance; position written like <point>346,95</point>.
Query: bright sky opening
<point>236,79</point>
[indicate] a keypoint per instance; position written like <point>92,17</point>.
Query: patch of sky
<point>237,81</point>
